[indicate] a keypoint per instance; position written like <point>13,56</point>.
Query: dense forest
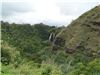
<point>41,49</point>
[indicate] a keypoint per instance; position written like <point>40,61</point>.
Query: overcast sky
<point>52,12</point>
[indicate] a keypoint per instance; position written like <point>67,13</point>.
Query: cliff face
<point>82,34</point>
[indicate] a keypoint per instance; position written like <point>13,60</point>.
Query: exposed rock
<point>67,50</point>
<point>59,42</point>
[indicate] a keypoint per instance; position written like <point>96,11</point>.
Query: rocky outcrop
<point>57,43</point>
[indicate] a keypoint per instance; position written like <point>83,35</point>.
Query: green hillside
<point>48,50</point>
<point>83,33</point>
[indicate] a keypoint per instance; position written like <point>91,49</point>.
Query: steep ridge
<point>82,34</point>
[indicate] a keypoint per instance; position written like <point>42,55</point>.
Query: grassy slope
<point>83,31</point>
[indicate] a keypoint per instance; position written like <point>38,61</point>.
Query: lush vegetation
<point>27,50</point>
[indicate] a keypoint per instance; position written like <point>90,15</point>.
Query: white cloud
<point>54,12</point>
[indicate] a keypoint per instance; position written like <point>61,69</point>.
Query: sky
<point>51,12</point>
